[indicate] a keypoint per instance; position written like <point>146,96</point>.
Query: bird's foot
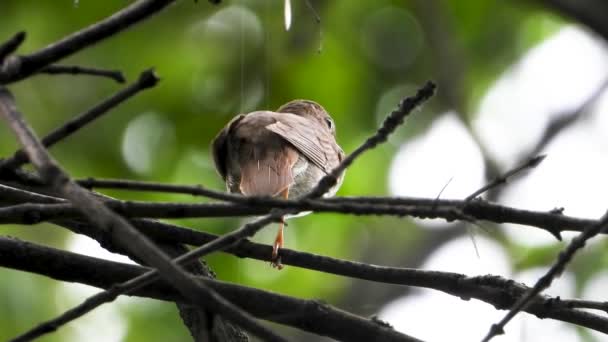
<point>276,258</point>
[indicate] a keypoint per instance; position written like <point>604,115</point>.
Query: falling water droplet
<point>287,14</point>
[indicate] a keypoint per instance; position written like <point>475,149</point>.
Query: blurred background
<point>505,70</point>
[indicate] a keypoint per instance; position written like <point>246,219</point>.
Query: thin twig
<point>565,120</point>
<point>147,79</point>
<point>249,229</point>
<point>389,125</point>
<point>545,281</point>
<point>104,219</point>
<point>530,164</point>
<point>55,69</point>
<point>11,45</point>
<point>20,67</point>
<point>136,185</point>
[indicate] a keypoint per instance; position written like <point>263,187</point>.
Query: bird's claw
<point>276,258</point>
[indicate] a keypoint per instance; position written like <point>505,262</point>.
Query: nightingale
<point>278,154</point>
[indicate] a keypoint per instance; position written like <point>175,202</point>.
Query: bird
<point>280,154</point>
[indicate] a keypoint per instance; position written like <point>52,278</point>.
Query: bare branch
<point>136,185</point>
<point>552,222</point>
<point>389,125</point>
<point>545,281</point>
<point>579,304</point>
<point>494,290</point>
<point>11,45</point>
<point>54,69</point>
<point>565,120</point>
<point>530,164</point>
<point>308,315</point>
<point>130,238</point>
<point>147,79</point>
<point>20,67</point>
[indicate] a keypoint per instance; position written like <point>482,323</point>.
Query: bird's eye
<point>330,123</point>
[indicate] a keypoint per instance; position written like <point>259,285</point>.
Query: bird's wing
<point>314,142</point>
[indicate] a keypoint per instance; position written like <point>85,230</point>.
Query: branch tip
<point>11,45</point>
<point>148,78</point>
<point>534,162</point>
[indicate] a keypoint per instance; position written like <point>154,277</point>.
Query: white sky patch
<point>459,256</point>
<point>595,289</point>
<point>554,77</point>
<point>573,176</point>
<point>85,245</point>
<point>424,165</point>
<point>87,327</point>
<point>422,312</point>
<point>108,316</point>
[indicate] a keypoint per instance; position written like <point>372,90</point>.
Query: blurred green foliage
<point>216,61</point>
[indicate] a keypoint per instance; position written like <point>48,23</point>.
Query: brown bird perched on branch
<point>283,153</point>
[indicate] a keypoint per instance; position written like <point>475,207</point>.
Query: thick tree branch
<point>552,222</point>
<point>129,237</point>
<point>494,290</point>
<point>312,316</point>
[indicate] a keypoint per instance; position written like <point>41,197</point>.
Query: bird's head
<point>311,110</point>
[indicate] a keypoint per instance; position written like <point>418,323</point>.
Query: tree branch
<point>312,316</point>
<point>19,67</point>
<point>147,79</point>
<point>530,164</point>
<point>545,281</point>
<point>129,237</point>
<point>11,45</point>
<point>494,290</point>
<point>552,222</point>
<point>115,75</point>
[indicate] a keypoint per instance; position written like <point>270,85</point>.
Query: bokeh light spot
<point>148,143</point>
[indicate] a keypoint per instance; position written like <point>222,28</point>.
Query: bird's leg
<point>278,241</point>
